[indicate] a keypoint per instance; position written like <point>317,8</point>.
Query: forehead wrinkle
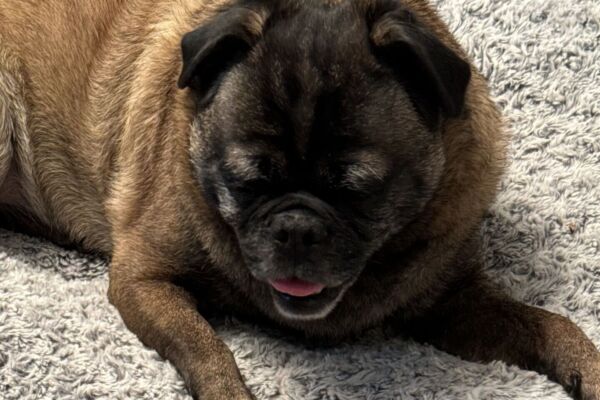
<point>306,52</point>
<point>302,117</point>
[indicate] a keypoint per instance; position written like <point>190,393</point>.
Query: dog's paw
<point>247,396</point>
<point>239,392</point>
<point>585,385</point>
<point>589,389</point>
<point>226,385</point>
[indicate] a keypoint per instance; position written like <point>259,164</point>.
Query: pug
<point>321,164</point>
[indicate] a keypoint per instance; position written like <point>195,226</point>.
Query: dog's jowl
<point>323,164</point>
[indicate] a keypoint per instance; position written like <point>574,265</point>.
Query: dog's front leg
<point>481,324</point>
<point>165,317</point>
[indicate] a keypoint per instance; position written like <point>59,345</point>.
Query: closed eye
<point>364,171</point>
<point>361,177</point>
<point>247,163</point>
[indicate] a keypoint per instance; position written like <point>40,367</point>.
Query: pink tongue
<point>296,287</point>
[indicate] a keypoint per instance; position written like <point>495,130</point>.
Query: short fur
<point>99,146</point>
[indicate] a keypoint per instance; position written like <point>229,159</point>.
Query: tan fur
<point>93,124</point>
<point>91,117</point>
<point>15,142</point>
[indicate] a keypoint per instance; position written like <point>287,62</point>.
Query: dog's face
<point>317,135</point>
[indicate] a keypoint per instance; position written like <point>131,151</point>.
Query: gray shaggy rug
<point>60,339</point>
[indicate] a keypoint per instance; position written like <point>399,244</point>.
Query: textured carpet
<point>60,339</point>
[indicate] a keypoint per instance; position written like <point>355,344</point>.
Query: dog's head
<point>317,134</point>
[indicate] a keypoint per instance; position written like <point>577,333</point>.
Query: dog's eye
<point>339,185</point>
<point>246,163</point>
<point>365,191</point>
<point>358,173</point>
<point>362,178</point>
<point>253,175</point>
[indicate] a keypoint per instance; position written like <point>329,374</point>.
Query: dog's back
<point>60,103</point>
<point>47,52</point>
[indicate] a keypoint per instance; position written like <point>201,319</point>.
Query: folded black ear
<point>211,49</point>
<point>435,77</point>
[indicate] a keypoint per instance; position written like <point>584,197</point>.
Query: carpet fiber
<point>60,339</point>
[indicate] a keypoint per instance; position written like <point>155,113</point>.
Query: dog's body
<point>95,143</point>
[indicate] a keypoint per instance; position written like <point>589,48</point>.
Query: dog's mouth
<point>296,287</point>
<point>302,300</point>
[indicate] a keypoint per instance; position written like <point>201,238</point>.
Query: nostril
<point>314,236</point>
<point>308,239</point>
<point>282,236</point>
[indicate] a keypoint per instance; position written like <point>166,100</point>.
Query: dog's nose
<point>298,230</point>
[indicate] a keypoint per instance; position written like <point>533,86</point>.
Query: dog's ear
<point>211,49</point>
<point>435,77</point>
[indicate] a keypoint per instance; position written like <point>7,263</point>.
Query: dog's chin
<point>307,308</point>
